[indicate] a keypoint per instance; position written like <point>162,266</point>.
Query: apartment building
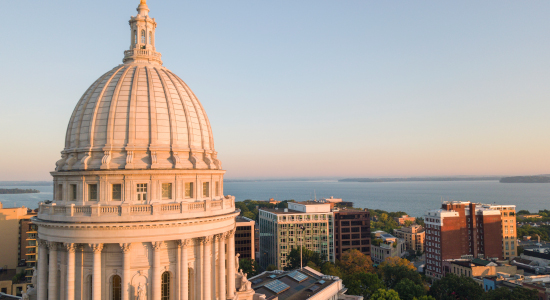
<point>351,231</point>
<point>310,224</point>
<point>403,219</point>
<point>16,241</point>
<point>461,229</point>
<point>244,237</point>
<point>413,236</point>
<point>386,245</point>
<point>509,230</point>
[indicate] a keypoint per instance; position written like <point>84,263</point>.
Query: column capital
<point>125,247</point>
<point>184,242</point>
<point>52,246</point>
<point>205,240</point>
<point>157,245</point>
<point>70,247</point>
<point>96,248</point>
<point>42,243</point>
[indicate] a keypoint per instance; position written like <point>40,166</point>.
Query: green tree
<point>395,269</point>
<point>307,255</point>
<point>519,293</point>
<point>271,268</point>
<point>249,266</point>
<point>383,294</point>
<point>408,290</point>
<point>332,269</point>
<point>452,287</point>
<point>364,284</point>
<point>523,212</point>
<point>425,297</point>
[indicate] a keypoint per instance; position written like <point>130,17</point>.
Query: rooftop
<point>292,285</point>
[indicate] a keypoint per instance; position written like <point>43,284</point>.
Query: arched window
<point>150,38</point>
<point>165,286</point>
<point>143,37</point>
<point>116,290</point>
<point>134,41</point>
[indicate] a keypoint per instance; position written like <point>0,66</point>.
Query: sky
<point>301,88</point>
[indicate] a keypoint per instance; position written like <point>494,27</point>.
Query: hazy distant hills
<point>460,178</point>
<point>526,179</point>
<point>26,183</point>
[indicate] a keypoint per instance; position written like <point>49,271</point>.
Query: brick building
<point>461,229</point>
<point>351,231</point>
<point>245,237</point>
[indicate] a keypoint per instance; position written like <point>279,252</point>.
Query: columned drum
<point>138,209</point>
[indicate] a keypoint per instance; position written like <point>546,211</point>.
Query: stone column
<point>207,268</point>
<point>52,272</point>
<point>96,277</point>
<point>156,291</point>
<point>125,270</point>
<point>42,270</point>
<point>184,270</point>
<point>63,275</point>
<point>231,265</point>
<point>221,269</point>
<point>71,249</point>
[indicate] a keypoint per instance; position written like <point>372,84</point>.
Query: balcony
<point>97,213</point>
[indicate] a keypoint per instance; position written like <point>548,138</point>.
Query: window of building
<point>59,192</point>
<point>150,38</point>
<point>92,192</point>
<point>165,286</point>
<point>188,190</point>
<point>72,191</point>
<point>117,192</point>
<point>143,37</point>
<point>206,189</point>
<point>116,291</point>
<point>135,37</point>
<point>142,191</point>
<point>217,188</point>
<point>166,191</point>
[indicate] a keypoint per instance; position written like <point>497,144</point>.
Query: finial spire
<point>142,8</point>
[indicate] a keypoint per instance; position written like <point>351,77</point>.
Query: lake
<point>412,197</point>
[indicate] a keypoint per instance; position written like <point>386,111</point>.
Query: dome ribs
<point>171,116</point>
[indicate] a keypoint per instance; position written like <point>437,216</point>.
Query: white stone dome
<point>139,115</point>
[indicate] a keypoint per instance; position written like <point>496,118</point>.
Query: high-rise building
<point>413,236</point>
<point>244,237</point>
<point>459,230</point>
<point>14,226</point>
<point>509,230</point>
<point>351,231</point>
<point>139,210</point>
<point>307,224</point>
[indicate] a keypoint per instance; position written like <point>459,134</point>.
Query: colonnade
<point>49,288</point>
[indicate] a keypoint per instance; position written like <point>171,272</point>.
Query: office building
<point>303,223</point>
<point>351,231</point>
<point>244,237</point>
<point>509,229</point>
<point>14,228</point>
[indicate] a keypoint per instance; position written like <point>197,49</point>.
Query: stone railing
<point>103,212</point>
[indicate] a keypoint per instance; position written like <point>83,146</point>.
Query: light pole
<point>301,245</point>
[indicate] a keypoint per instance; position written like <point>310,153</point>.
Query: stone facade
<point>138,211</point>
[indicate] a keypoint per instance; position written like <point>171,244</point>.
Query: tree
<point>364,284</point>
<point>408,290</point>
<point>249,266</point>
<point>395,269</point>
<point>425,298</point>
<point>383,294</point>
<point>271,268</point>
<point>523,212</point>
<point>408,223</point>
<point>307,255</point>
<point>353,261</point>
<point>331,269</point>
<point>519,293</point>
<point>452,287</point>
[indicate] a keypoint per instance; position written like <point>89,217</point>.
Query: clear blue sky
<point>302,88</point>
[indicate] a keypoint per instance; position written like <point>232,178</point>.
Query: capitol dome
<point>139,115</point>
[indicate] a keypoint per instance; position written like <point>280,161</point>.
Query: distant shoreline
<point>26,183</point>
<point>423,179</point>
<point>526,179</point>
<point>18,191</point>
